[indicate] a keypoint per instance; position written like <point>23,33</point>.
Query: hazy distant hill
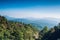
<point>50,22</point>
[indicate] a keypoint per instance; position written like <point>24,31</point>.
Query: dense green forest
<point>10,30</point>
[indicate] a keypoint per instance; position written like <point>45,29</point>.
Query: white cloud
<point>34,13</point>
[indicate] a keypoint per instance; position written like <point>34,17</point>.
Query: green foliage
<point>52,34</point>
<point>45,29</point>
<point>10,30</point>
<point>42,32</point>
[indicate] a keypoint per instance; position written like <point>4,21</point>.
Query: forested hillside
<point>10,30</point>
<point>50,34</point>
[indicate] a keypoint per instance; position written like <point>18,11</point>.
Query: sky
<point>30,8</point>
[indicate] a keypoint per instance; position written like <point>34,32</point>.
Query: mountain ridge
<point>50,22</point>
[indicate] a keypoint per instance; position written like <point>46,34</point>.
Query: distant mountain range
<point>40,23</point>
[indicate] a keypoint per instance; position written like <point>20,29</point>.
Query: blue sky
<point>28,9</point>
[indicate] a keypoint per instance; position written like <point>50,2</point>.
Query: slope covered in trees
<point>10,30</point>
<point>51,34</point>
